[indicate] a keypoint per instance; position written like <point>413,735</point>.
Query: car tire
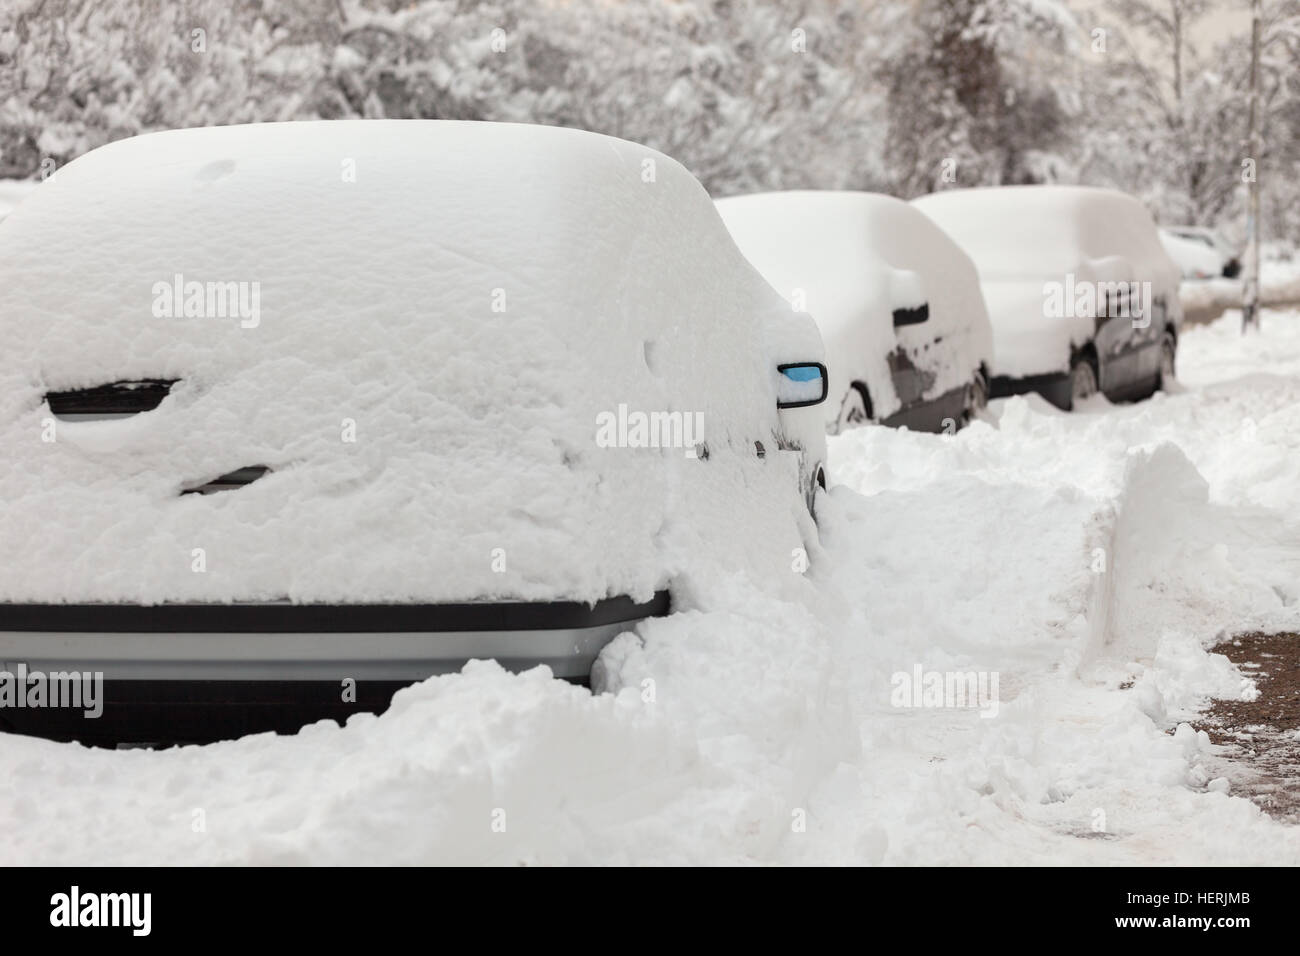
<point>1168,360</point>
<point>977,398</point>
<point>816,480</point>
<point>1084,382</point>
<point>855,409</point>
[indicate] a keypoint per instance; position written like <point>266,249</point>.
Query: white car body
<point>851,259</point>
<point>441,343</point>
<point>12,192</point>
<point>1228,251</point>
<point>1196,259</point>
<point>1041,253</point>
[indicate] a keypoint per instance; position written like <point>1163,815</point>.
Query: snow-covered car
<point>295,414</point>
<point>1229,255</point>
<point>1196,260</point>
<point>1081,293</point>
<point>12,192</point>
<point>898,303</point>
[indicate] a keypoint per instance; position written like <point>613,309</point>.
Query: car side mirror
<point>799,384</point>
<point>913,316</point>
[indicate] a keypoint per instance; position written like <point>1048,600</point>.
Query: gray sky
<point>1227,17</point>
<point>1231,18</point>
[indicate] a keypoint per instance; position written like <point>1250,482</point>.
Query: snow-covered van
<point>1080,291</point>
<point>897,302</point>
<point>294,414</point>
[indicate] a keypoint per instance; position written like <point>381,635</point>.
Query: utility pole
<point>1250,272</point>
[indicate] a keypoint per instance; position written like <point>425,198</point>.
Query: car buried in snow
<point>297,414</point>
<point>897,302</point>
<point>1082,296</point>
<point>1214,241</point>
<point>1195,259</point>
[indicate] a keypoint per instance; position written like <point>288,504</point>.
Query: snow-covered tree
<point>977,93</point>
<point>1169,118</point>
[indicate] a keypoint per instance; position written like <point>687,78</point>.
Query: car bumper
<point>940,414</point>
<point>206,672</point>
<point>1055,387</point>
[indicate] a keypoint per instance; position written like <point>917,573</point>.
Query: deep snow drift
<point>1084,559</point>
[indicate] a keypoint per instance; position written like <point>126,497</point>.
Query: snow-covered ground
<point>1084,561</point>
<point>1279,285</point>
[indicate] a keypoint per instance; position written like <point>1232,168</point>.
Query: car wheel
<point>1168,358</point>
<point>855,409</point>
<point>816,481</point>
<point>977,398</point>
<point>1083,380</point>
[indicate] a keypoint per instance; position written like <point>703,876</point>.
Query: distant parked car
<point>898,303</point>
<point>1081,293</point>
<point>298,413</point>
<point>1196,260</point>
<point>1228,253</point>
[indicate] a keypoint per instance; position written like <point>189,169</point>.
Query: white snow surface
<point>851,258</point>
<point>1279,285</point>
<point>463,299</point>
<point>1023,237</point>
<point>12,192</point>
<point>1088,559</point>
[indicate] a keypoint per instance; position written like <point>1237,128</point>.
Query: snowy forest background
<point>883,95</point>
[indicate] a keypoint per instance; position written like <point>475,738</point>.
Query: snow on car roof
<point>1043,231</point>
<point>414,324</point>
<point>12,192</point>
<point>851,258</point>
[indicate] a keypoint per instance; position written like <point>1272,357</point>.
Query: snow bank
<point>443,311</point>
<point>850,259</point>
<point>1021,238</point>
<point>1279,285</point>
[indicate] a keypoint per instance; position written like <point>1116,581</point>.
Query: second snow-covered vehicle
<point>897,302</point>
<point>1196,259</point>
<point>1228,253</point>
<point>1082,295</point>
<point>295,414</point>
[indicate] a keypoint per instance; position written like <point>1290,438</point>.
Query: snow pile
<point>434,317</point>
<point>850,259</point>
<point>1279,285</point>
<point>1024,238</point>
